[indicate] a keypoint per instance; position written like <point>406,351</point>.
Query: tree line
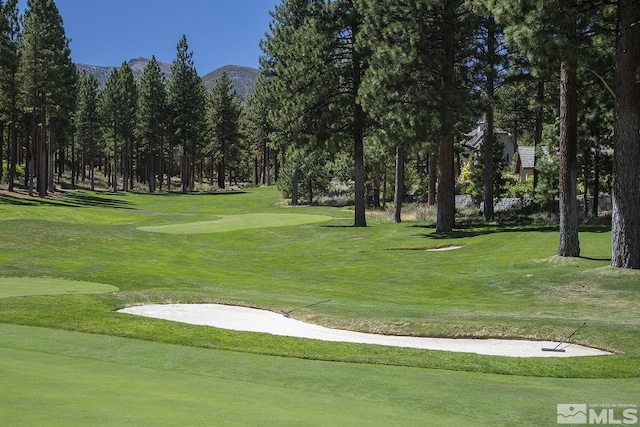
<point>57,121</point>
<point>361,91</point>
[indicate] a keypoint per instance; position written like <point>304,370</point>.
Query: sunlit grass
<point>503,281</point>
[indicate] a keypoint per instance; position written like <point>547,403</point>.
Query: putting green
<point>25,286</point>
<point>237,222</point>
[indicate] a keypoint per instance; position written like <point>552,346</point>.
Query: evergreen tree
<point>223,115</point>
<point>87,121</point>
<point>256,129</point>
<point>416,75</point>
<point>46,75</point>
<point>187,102</point>
<point>559,33</point>
<point>118,112</point>
<point>626,183</point>
<point>128,109</point>
<point>152,118</point>
<point>316,64</point>
<point>9,60</point>
<point>490,62</point>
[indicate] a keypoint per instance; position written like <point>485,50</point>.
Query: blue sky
<point>219,32</point>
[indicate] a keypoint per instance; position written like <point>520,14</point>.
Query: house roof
<point>476,136</point>
<point>527,156</point>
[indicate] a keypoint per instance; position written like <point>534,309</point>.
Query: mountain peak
<point>243,78</point>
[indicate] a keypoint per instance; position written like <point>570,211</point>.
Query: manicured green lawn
<point>27,286</point>
<point>227,223</point>
<point>504,282</point>
<point>66,378</point>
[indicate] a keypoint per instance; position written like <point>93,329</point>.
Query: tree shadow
<point>595,259</point>
<point>88,200</point>
<point>18,201</point>
<point>214,193</point>
<point>70,199</point>
<point>469,230</point>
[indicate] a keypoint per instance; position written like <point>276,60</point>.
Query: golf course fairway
<point>227,223</point>
<point>20,286</point>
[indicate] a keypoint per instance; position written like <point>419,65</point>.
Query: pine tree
<point>256,128</point>
<point>559,33</point>
<point>88,122</point>
<point>187,101</point>
<point>314,58</point>
<point>223,114</point>
<point>9,60</point>
<point>118,111</point>
<point>46,75</point>
<point>419,49</point>
<point>626,192</point>
<point>152,118</point>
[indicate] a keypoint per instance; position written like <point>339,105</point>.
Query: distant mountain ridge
<point>244,78</point>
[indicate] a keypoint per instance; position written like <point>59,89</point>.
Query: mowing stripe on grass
<point>237,222</point>
<point>26,286</point>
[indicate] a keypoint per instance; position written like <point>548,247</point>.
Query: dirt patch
<point>24,194</point>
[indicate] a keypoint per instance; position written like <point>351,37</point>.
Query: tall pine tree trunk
<point>446,170</point>
<point>399,192</point>
<point>358,134</point>
<point>1,150</point>
<point>42,154</point>
<point>115,160</point>
<point>596,183</point>
<point>13,156</point>
<point>537,142</point>
<point>489,132</point>
<point>569,245</point>
<point>487,148</point>
<point>295,177</point>
<point>626,183</point>
<point>433,178</point>
<point>51,155</point>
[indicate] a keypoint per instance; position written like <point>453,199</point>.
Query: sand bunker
<point>445,248</point>
<point>252,320</point>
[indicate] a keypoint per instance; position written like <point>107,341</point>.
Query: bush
<point>5,172</point>
<point>514,188</point>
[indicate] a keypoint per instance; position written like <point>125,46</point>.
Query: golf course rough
<point>227,223</point>
<point>27,286</point>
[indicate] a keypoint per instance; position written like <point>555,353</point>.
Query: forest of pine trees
<point>372,93</point>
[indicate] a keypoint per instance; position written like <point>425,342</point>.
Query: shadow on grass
<point>69,200</point>
<point>463,231</point>
<point>16,201</point>
<point>215,193</point>
<point>88,200</point>
<point>481,229</point>
<point>595,259</point>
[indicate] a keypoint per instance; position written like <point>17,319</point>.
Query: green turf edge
<point>59,377</point>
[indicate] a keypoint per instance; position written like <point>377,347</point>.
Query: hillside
<point>243,78</point>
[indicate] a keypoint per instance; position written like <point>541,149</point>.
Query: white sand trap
<point>445,248</point>
<point>252,320</point>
